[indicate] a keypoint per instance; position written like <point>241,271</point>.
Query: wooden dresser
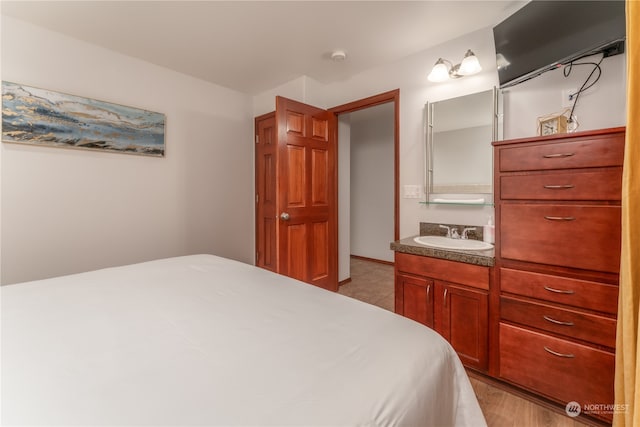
<point>557,264</point>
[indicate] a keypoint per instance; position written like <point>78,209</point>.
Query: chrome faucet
<point>465,232</point>
<point>448,229</point>
<point>452,232</point>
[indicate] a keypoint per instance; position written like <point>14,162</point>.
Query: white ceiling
<point>253,46</point>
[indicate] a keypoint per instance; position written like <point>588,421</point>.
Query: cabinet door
<point>462,317</point>
<point>414,298</point>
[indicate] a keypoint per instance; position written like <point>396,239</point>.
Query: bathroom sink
<point>449,243</point>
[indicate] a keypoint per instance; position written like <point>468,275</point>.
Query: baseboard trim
<point>344,282</point>
<point>379,261</point>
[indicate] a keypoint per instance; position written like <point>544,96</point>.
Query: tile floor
<point>373,283</point>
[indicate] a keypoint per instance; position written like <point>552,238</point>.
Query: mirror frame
<point>496,134</point>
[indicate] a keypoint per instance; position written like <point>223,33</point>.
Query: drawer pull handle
<point>559,187</point>
<point>555,353</point>
<point>560,291</point>
<point>557,322</point>
<point>446,291</point>
<point>555,156</point>
<point>560,218</point>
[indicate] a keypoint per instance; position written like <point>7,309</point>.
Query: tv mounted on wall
<point>544,35</point>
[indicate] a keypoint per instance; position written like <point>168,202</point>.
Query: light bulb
<point>469,65</point>
<point>439,72</point>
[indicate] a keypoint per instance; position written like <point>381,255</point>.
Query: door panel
<point>319,190</point>
<point>320,129</point>
<point>320,250</point>
<point>295,122</point>
<point>265,157</point>
<point>307,193</point>
<point>296,176</point>
<point>297,239</point>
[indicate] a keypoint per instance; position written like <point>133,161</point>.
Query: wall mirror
<point>459,132</point>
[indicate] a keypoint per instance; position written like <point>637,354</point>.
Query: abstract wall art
<point>43,117</point>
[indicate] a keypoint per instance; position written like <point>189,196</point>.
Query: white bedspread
<point>209,341</point>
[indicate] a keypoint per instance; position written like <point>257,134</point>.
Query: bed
<point>204,340</point>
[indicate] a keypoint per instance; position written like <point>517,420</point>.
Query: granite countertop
<point>409,246</point>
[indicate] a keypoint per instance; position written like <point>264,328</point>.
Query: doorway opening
<point>368,194</point>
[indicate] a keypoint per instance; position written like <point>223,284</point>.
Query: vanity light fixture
<point>442,72</point>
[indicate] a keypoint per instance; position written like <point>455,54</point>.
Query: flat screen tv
<point>543,35</point>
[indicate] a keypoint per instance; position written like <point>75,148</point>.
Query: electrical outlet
<point>568,97</point>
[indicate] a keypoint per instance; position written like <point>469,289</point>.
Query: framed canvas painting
<point>43,117</point>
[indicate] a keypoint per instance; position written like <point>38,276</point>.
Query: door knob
<point>284,216</point>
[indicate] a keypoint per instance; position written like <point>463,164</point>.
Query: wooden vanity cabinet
<point>450,297</point>
<point>558,236</point>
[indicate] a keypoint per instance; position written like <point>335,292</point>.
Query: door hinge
<point>257,198</point>
<point>257,256</point>
<point>257,139</point>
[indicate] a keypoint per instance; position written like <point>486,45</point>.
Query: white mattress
<point>209,341</point>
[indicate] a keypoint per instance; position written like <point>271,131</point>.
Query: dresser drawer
<point>581,152</point>
<point>452,271</point>
<point>577,236</point>
<point>557,368</point>
<point>570,323</point>
<point>592,185</point>
<point>564,290</point>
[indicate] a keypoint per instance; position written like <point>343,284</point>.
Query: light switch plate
<point>412,191</point>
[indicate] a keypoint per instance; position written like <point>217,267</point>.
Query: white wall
<point>344,197</point>
<point>66,211</point>
<point>372,182</point>
<point>602,106</point>
<point>303,89</point>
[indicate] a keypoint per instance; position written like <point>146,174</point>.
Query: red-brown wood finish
<point>265,175</point>
<point>559,369</point>
<point>457,307</point>
<point>588,185</point>
<point>466,274</point>
<point>557,263</point>
<point>570,323</point>
<point>568,151</point>
<point>462,317</point>
<point>302,174</point>
<point>585,294</point>
<point>414,298</point>
<point>579,236</point>
<point>307,193</point>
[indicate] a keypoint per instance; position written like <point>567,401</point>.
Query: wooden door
<point>307,211</point>
<point>265,175</point>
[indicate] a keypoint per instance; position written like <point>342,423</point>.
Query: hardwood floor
<point>373,283</point>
